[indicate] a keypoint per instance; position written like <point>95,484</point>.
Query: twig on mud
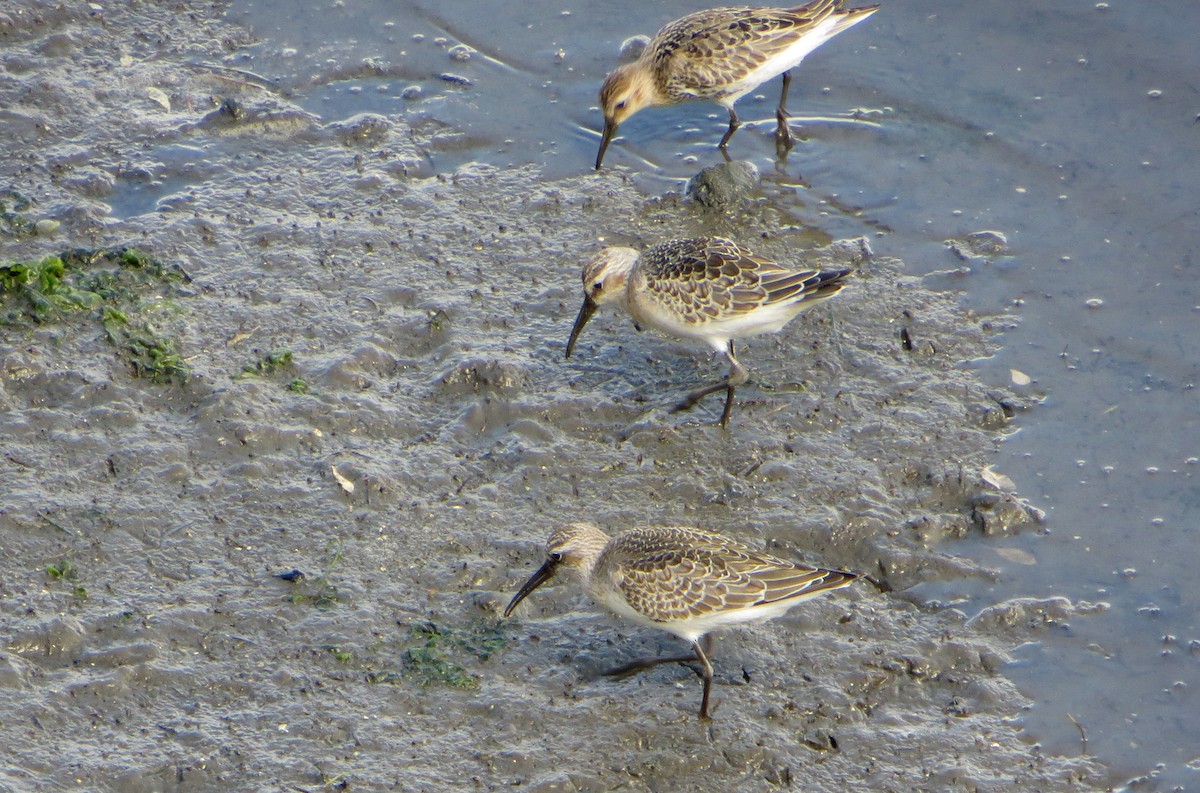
<point>241,77</point>
<point>1082,733</point>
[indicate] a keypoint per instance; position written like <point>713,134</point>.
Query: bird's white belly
<point>785,60</point>
<point>715,332</point>
<point>693,628</point>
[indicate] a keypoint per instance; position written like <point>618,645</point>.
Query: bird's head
<point>604,281</point>
<point>626,90</point>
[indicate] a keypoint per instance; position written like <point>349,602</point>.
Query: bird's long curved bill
<point>536,580</point>
<point>610,129</point>
<point>585,313</point>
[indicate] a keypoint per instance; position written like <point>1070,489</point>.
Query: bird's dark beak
<point>542,575</point>
<point>585,313</point>
<point>610,129</point>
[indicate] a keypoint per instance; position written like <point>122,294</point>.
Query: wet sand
<point>426,313</point>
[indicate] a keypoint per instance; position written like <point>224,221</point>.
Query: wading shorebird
<point>722,54</point>
<point>706,288</point>
<point>683,581</point>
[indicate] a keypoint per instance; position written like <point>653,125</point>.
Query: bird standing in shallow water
<point>722,54</point>
<point>705,288</point>
<point>683,581</point>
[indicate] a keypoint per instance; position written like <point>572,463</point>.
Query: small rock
<point>232,108</point>
<point>632,48</point>
<point>722,185</point>
<point>59,45</point>
<point>958,707</point>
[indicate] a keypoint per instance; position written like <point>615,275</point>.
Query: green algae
<point>438,653</point>
<point>121,289</point>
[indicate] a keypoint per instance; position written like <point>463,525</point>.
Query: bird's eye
<point>555,556</point>
<point>596,287</point>
<point>621,105</point>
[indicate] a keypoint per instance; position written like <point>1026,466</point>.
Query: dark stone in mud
<point>232,108</point>
<point>988,243</point>
<point>59,45</point>
<point>721,185</point>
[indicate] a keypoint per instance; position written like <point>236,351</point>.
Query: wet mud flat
<point>282,566</point>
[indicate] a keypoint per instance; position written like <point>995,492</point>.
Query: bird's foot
<point>783,133</point>
<point>690,401</point>
<point>643,664</point>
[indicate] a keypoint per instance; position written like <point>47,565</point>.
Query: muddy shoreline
<point>425,314</point>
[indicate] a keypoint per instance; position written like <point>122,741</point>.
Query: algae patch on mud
<point>437,653</point>
<point>121,289</point>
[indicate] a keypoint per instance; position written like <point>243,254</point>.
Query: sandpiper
<point>722,54</point>
<point>683,581</point>
<point>705,288</point>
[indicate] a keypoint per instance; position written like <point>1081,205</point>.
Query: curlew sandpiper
<point>684,581</point>
<point>705,288</point>
<point>722,54</point>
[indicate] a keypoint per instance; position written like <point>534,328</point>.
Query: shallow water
<point>412,255</point>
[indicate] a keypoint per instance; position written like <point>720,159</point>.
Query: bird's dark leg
<point>734,123</point>
<point>708,678</point>
<point>649,663</point>
<point>783,135</point>
<point>737,375</point>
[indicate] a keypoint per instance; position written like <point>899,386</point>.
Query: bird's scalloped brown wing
<point>783,285</point>
<point>703,279</point>
<point>686,576</point>
<point>702,52</point>
<point>710,278</point>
